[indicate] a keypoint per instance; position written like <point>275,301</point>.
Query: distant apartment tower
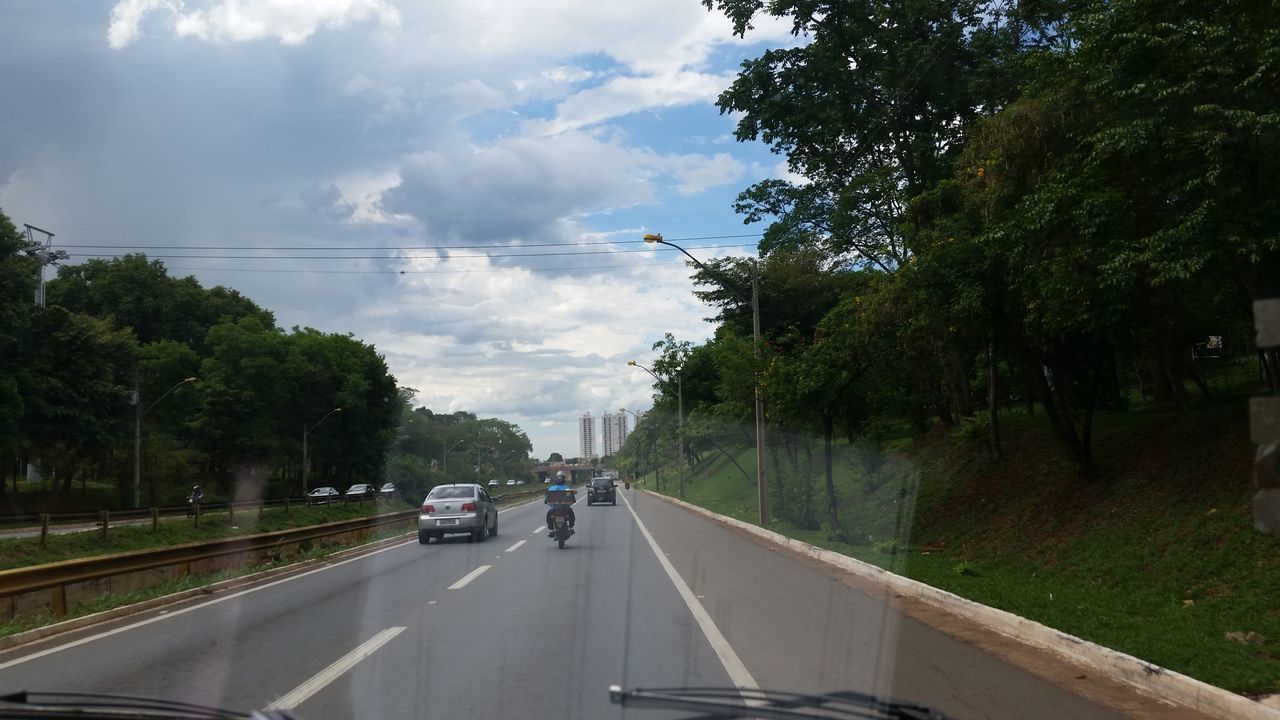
<point>587,436</point>
<point>613,432</point>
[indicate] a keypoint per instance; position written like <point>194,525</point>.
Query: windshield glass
<point>444,493</point>
<point>925,349</point>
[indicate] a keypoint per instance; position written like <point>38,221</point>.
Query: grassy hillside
<point>1157,558</point>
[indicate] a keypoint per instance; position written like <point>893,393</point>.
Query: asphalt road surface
<point>513,627</point>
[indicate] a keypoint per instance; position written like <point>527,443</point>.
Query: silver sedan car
<point>455,510</point>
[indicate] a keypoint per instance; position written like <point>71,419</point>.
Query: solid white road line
<point>516,547</point>
<point>469,577</point>
<point>317,682</point>
<point>732,664</point>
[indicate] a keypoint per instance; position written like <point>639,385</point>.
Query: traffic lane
<point>543,632</point>
<point>797,627</point>
<point>249,647</point>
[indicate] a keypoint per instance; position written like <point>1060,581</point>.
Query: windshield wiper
<point>95,706</point>
<point>726,703</point>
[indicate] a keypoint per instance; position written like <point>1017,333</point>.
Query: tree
<point>555,457</point>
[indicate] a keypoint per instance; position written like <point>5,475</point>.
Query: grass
<point>1157,558</point>
<point>21,552</point>
<point>110,601</point>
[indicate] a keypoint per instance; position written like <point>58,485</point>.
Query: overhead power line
<point>407,257</point>
<point>336,248</point>
<point>298,271</point>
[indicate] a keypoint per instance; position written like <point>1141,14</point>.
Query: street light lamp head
<point>189,380</point>
<point>632,363</point>
<point>653,237</point>
<point>337,409</point>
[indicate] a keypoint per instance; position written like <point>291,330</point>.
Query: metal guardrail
<point>56,576</point>
<point>166,511</point>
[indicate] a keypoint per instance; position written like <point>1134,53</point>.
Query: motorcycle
<point>560,521</point>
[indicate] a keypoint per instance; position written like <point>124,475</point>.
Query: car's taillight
<point>428,508</point>
<point>468,507</point>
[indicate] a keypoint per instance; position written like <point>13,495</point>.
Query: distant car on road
<point>323,496</point>
<point>601,490</point>
<point>360,493</point>
<point>494,483</point>
<point>511,481</point>
<point>387,491</point>
<point>457,509</point>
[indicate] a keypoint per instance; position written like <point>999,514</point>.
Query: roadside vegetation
<point>1005,312</point>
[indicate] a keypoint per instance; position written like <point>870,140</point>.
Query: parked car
<point>512,481</point>
<point>323,496</point>
<point>601,490</point>
<point>455,510</point>
<point>387,491</point>
<point>494,483</point>
<point>360,493</point>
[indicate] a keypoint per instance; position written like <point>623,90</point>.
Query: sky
<point>464,184</point>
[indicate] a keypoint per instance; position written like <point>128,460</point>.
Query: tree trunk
<point>1057,407</point>
<point>993,402</point>
<point>1161,387</point>
<point>828,430</point>
<point>957,371</point>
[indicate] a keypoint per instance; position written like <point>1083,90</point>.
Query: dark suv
<point>602,489</point>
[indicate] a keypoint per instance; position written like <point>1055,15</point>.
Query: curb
<point>40,633</point>
<point>1152,680</point>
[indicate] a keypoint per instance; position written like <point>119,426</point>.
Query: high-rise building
<point>613,432</point>
<point>587,436</point>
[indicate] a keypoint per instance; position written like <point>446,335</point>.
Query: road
<point>513,627</point>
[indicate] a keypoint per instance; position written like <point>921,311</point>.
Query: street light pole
<point>307,431</point>
<point>138,412</point>
<point>679,417</point>
<point>762,493</point>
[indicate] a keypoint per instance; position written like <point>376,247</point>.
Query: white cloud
<point>537,352</point>
<point>624,95</point>
<point>289,21</point>
<point>523,188</point>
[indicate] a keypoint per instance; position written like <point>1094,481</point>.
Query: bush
<point>972,428</point>
<point>888,546</point>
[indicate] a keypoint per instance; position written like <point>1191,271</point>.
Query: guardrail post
<point>155,519</point>
<point>286,506</point>
<point>58,600</point>
<point>106,522</point>
<point>197,514</point>
<point>231,512</point>
<point>259,510</point>
<point>44,528</point>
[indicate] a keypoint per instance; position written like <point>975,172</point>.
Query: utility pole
<point>43,256</point>
<point>762,490</point>
<point>137,440</point>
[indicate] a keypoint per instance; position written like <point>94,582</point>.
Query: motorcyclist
<point>559,496</point>
<point>196,498</point>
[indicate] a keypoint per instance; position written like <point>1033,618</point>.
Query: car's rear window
<point>445,493</point>
<point>602,482</point>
